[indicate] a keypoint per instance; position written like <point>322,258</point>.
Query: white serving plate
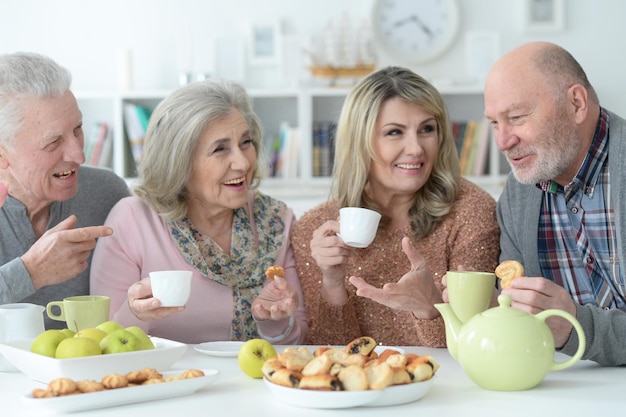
<point>44,369</point>
<point>228,349</point>
<point>402,394</point>
<point>380,349</point>
<point>121,396</point>
<point>395,395</point>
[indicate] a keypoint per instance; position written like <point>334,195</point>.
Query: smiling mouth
<point>235,181</point>
<point>514,157</point>
<point>64,174</point>
<point>410,166</point>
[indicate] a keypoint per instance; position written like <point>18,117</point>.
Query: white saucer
<point>223,349</point>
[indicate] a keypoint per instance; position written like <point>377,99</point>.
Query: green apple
<point>46,342</point>
<point>92,333</point>
<point>75,347</point>
<point>120,341</point>
<point>68,332</point>
<point>146,342</point>
<point>109,326</point>
<point>253,354</point>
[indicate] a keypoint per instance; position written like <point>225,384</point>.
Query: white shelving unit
<point>298,107</point>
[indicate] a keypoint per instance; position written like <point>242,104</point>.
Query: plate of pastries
<point>68,395</point>
<point>359,374</point>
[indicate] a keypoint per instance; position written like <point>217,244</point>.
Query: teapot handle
<point>557,366</point>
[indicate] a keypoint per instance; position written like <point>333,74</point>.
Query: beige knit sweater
<point>469,236</point>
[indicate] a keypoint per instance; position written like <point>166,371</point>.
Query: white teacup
<point>19,321</point>
<point>172,288</point>
<point>358,226</point>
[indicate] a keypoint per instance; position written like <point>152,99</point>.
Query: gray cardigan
<point>518,214</point>
<point>98,190</point>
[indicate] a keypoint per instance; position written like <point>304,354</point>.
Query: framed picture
<point>230,58</point>
<point>265,43</point>
<point>482,49</point>
<point>544,16</point>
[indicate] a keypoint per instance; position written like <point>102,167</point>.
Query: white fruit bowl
<point>44,369</point>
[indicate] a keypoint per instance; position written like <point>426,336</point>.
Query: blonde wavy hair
<point>354,146</point>
<point>173,133</point>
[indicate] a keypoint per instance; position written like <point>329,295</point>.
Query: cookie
<point>379,375</point>
<point>62,386</point>
<point>295,359</point>
<point>137,377</point>
<point>507,271</point>
<point>286,378</point>
<point>273,271</point>
<point>321,383</point>
<point>42,393</point>
<point>89,385</point>
<point>114,381</point>
<point>353,378</point>
<point>192,373</point>
<point>318,365</point>
<point>363,345</point>
<point>153,381</point>
<point>421,368</point>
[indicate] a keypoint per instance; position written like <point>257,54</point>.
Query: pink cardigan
<point>141,243</point>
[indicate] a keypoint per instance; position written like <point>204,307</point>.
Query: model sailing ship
<point>345,52</point>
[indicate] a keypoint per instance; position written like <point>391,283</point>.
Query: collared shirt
<point>576,239</point>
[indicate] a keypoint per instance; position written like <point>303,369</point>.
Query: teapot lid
<point>504,310</point>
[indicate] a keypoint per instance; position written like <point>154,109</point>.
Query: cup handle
<point>557,366</point>
<point>60,317</point>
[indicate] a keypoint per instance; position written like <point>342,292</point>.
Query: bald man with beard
<point>561,213</point>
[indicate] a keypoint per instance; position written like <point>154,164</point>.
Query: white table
<point>582,390</point>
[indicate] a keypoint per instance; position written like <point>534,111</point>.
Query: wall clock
<point>416,31</point>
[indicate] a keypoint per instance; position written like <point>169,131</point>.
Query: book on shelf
<point>284,151</point>
<point>98,147</point>
<point>472,142</point>
<point>106,154</point>
<point>458,132</point>
<point>466,145</point>
<point>323,148</point>
<point>273,152</point>
<point>481,158</point>
<point>136,119</point>
<point>90,142</point>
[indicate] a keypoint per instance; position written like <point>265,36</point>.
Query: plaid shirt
<point>576,240</point>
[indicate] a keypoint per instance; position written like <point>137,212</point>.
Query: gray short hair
<point>173,132</point>
<point>27,75</point>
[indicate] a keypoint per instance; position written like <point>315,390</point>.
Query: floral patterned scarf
<point>255,243</point>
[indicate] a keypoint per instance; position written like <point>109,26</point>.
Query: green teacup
<point>81,311</point>
<point>469,293</point>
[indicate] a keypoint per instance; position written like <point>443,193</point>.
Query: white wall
<point>85,35</point>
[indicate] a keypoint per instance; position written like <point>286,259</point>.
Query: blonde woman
<point>394,154</point>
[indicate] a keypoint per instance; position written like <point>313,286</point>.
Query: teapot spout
<point>453,327</point>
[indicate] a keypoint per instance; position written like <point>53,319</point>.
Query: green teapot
<point>506,349</point>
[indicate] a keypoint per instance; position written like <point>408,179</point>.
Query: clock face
<point>415,30</point>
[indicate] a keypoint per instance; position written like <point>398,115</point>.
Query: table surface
<point>581,390</point>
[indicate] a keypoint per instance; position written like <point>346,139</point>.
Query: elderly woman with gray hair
<point>196,208</point>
